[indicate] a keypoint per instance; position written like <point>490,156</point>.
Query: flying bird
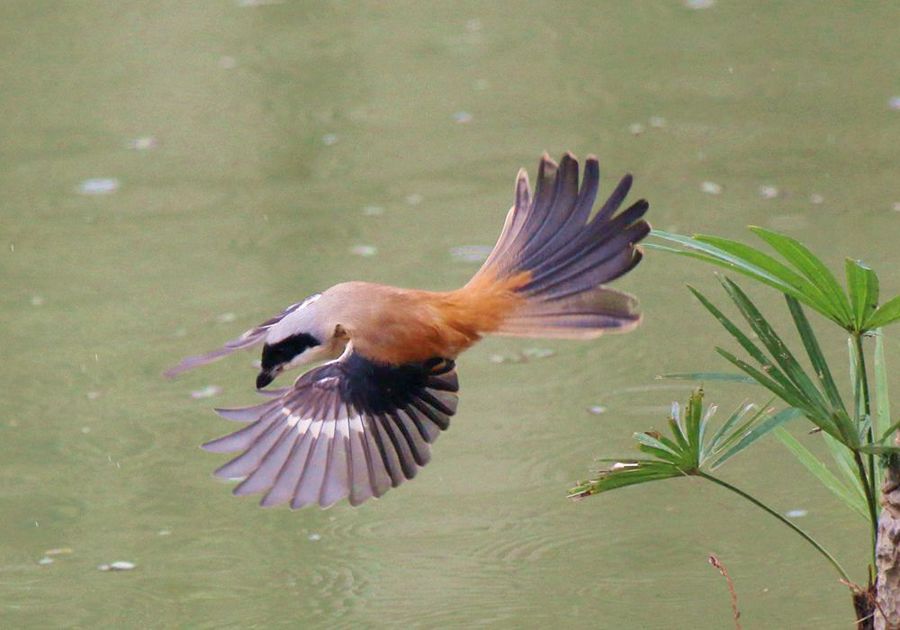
<point>364,421</point>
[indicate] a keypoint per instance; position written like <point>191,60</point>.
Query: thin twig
<point>714,560</point>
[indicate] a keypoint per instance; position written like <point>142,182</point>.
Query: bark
<point>887,551</point>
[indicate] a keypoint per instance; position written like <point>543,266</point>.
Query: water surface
<point>171,173</point>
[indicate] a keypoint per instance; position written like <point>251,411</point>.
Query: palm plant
<point>858,434</point>
<point>695,449</point>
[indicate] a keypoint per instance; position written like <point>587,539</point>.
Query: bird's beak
<point>264,378</point>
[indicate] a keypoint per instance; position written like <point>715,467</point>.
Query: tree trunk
<point>887,551</point>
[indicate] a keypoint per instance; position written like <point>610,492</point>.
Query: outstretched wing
<point>250,338</point>
<point>351,428</point>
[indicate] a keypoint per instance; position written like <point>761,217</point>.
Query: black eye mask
<point>285,350</point>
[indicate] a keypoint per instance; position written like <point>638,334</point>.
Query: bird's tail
<point>553,258</point>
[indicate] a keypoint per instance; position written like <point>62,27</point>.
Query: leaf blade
<point>728,377</point>
<point>862,284</point>
<point>814,352</point>
<point>712,254</point>
<point>813,268</point>
<point>633,472</point>
<point>799,381</point>
<point>801,285</point>
<point>756,433</point>
<point>854,500</point>
<point>886,314</point>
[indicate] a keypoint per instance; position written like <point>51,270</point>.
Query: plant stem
<point>870,500</point>
<point>781,518</point>
<point>868,480</point>
<point>863,377</point>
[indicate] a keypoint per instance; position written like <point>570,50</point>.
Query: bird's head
<point>303,336</point>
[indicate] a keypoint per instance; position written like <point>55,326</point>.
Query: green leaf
<point>856,378</point>
<point>736,332</point>
<point>744,340</point>
<point>757,432</point>
<point>810,266</point>
<point>889,431</point>
<point>882,420</point>
<point>863,286</point>
<point>650,445</point>
<point>844,459</point>
<point>724,433</point>
<point>710,376</point>
<point>787,395</point>
<point>887,313</point>
<point>693,423</point>
<point>627,473</point>
<point>802,384</point>
<point>682,452</point>
<point>814,351</point>
<point>879,449</point>
<point>736,433</point>
<point>802,287</point>
<point>854,499</point>
<point>717,256</point>
<point>705,421</point>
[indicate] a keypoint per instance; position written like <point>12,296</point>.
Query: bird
<point>364,421</point>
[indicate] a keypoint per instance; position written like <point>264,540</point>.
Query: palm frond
<point>692,447</point>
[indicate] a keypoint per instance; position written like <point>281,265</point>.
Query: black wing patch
<point>351,428</point>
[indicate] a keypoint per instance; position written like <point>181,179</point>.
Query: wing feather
<point>310,488</point>
<point>311,478</point>
<point>350,429</point>
<point>337,474</point>
<point>417,447</point>
<point>282,489</point>
<point>378,469</point>
<point>265,474</point>
<point>252,458</point>
<point>401,447</point>
<point>361,473</point>
<point>428,429</point>
<point>246,414</point>
<point>386,450</point>
<point>243,438</point>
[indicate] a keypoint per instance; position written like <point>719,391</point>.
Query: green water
<point>271,129</point>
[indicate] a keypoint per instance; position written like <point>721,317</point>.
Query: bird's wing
<point>250,338</point>
<point>351,428</point>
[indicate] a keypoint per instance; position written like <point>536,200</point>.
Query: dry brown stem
<point>714,560</point>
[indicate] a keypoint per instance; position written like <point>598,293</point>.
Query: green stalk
<point>870,501</point>
<point>861,368</point>
<point>868,480</point>
<point>781,518</point>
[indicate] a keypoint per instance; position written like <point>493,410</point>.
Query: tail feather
<point>511,227</point>
<point>613,248</point>
<point>615,199</point>
<point>567,255</point>
<point>573,280</point>
<point>555,202</point>
<point>598,239</point>
<point>579,316</point>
